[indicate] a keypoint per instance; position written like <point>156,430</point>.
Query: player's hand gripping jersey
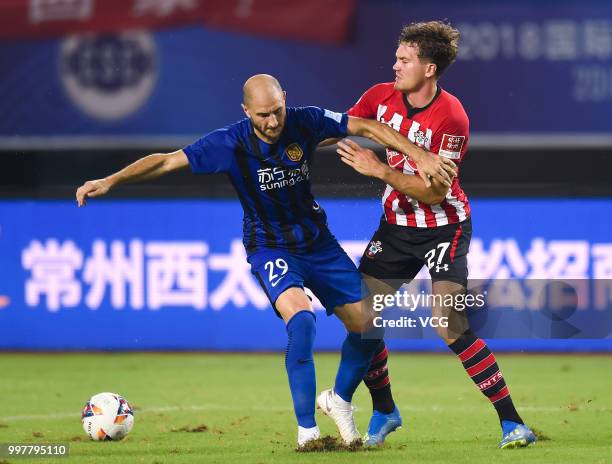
<point>442,127</point>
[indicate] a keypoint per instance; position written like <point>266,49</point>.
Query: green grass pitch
<point>240,404</point>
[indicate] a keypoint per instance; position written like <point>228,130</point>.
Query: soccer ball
<point>107,416</point>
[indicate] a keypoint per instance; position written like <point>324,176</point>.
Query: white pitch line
<point>216,407</point>
<point>203,407</point>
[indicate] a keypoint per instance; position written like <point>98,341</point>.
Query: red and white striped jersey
<point>441,127</point>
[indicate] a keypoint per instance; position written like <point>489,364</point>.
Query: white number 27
<point>431,254</point>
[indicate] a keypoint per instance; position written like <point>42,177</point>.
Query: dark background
<point>568,172</point>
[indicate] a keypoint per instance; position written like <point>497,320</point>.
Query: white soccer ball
<point>107,416</point>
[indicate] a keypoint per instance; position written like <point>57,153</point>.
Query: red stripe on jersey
<point>450,210</point>
<point>481,366</point>
<point>501,395</point>
<point>430,217</point>
<point>471,350</point>
<point>460,195</point>
<point>455,241</point>
<point>468,210</point>
<point>389,213</point>
<point>406,206</point>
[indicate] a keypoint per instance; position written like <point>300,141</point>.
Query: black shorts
<point>397,253</point>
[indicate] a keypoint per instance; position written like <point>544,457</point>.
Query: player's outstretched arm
<point>327,142</point>
<point>149,167</point>
<point>430,167</point>
<point>365,162</point>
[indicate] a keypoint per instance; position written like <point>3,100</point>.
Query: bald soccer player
<point>267,157</point>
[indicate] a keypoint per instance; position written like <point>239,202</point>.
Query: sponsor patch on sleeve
<point>451,146</point>
<point>335,116</point>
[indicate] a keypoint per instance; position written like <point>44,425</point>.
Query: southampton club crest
<point>420,138</point>
<point>294,152</point>
<point>374,247</point>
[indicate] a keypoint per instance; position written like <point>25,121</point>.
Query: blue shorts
<point>327,271</point>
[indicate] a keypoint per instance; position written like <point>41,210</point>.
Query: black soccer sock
<point>481,365</point>
<point>378,382</point>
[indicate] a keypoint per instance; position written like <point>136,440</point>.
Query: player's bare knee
<point>357,324</point>
<point>352,327</point>
<point>452,323</point>
<point>288,313</point>
<point>292,301</point>
<point>356,317</point>
<point>377,286</point>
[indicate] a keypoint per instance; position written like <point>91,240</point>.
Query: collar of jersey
<point>411,111</point>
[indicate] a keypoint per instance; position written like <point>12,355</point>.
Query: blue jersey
<point>272,180</point>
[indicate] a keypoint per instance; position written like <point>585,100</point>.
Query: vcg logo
<point>109,76</point>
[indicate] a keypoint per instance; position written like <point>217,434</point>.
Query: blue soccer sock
<point>301,330</point>
<point>357,353</point>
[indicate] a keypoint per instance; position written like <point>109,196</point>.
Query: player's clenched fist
<point>91,188</point>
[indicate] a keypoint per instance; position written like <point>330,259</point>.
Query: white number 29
<point>281,265</point>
